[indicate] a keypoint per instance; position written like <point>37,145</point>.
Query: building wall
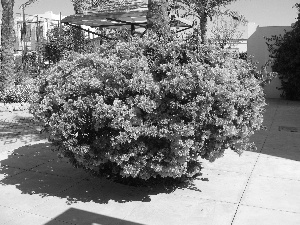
<point>240,46</point>
<point>46,21</point>
<point>34,29</point>
<point>257,47</point>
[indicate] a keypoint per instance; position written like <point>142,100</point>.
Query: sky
<point>262,12</point>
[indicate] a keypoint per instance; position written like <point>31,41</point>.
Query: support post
<point>24,41</point>
<point>60,28</point>
<point>132,29</point>
<point>38,41</point>
<point>92,32</point>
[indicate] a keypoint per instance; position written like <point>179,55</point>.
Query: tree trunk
<point>203,27</point>
<point>77,33</point>
<point>7,43</point>
<point>158,18</point>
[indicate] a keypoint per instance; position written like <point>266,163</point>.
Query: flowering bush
<point>146,108</point>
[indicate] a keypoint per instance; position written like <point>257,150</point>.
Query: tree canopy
<point>202,10</point>
<point>285,52</point>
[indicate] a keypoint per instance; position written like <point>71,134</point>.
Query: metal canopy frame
<point>131,13</point>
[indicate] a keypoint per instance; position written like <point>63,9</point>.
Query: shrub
<point>285,52</point>
<point>14,107</point>
<point>146,108</point>
<point>19,93</point>
<point>243,55</point>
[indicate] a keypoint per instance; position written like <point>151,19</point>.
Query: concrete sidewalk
<point>258,188</point>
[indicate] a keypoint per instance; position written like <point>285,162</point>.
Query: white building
<point>37,27</point>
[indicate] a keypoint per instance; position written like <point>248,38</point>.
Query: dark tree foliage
<point>285,52</point>
<point>60,41</point>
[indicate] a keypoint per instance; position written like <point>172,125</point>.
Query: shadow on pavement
<point>282,135</point>
<point>82,217</point>
<point>20,128</point>
<point>40,172</point>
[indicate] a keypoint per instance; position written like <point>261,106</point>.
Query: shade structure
<point>112,13</point>
<point>119,13</point>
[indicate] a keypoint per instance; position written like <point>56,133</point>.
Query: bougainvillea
<point>147,108</point>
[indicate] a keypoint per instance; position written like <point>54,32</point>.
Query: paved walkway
<point>258,188</point>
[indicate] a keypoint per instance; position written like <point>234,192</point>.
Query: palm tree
<point>157,17</point>
<point>78,35</point>
<point>7,43</point>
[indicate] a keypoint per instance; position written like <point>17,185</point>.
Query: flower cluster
<point>146,108</point>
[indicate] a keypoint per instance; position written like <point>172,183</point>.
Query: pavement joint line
<point>225,170</point>
<point>280,178</point>
<point>23,212</point>
<point>71,186</point>
<point>14,174</point>
<point>279,210</point>
<point>260,152</point>
<point>4,206</point>
<point>31,170</point>
<point>25,170</point>
<point>208,199</point>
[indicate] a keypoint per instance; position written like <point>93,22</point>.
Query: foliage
<point>21,89</point>
<point>158,19</point>
<point>243,55</point>
<point>60,41</point>
<point>145,108</point>
<point>10,107</point>
<point>224,31</point>
<point>26,66</point>
<point>202,10</point>
<point>285,52</point>
<point>19,93</point>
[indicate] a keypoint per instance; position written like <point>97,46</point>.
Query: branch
<point>29,2</point>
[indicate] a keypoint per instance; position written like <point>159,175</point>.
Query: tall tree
<point>158,18</point>
<point>202,10</point>
<point>7,42</point>
<point>78,35</point>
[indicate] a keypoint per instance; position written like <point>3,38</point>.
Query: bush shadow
<point>40,172</point>
<point>20,128</point>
